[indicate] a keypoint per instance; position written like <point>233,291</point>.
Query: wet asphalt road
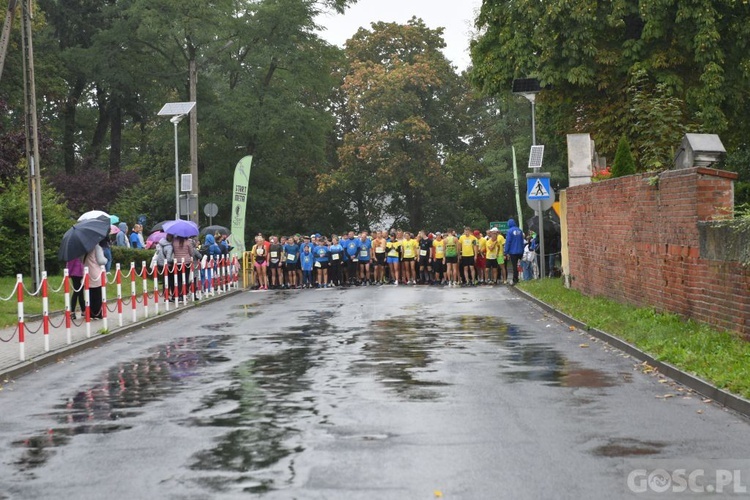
<point>369,393</point>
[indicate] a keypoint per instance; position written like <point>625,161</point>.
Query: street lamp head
<point>176,119</point>
<point>527,87</point>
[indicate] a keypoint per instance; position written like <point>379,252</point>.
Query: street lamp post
<point>529,88</point>
<point>177,111</point>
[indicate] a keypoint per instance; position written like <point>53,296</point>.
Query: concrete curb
<point>55,356</point>
<point>724,398</point>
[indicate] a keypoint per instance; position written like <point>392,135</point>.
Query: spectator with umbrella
<point>182,231</point>
<point>83,240</point>
<point>214,230</point>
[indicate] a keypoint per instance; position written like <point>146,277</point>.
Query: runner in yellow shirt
<point>410,247</point>
<point>393,258</point>
<point>492,250</point>
<point>451,258</point>
<point>468,244</point>
<point>438,258</point>
<point>503,272</point>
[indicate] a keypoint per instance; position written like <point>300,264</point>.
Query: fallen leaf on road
<point>663,381</point>
<point>699,411</point>
<point>572,328</point>
<point>438,494</point>
<point>707,401</point>
<point>583,346</point>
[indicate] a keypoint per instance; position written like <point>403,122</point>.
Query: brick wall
<point>638,241</point>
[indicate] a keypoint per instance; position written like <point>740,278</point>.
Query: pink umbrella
<point>114,229</point>
<point>154,238</point>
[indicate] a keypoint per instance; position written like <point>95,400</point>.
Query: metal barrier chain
<point>31,331</point>
<point>126,302</point>
<point>83,320</point>
<point>54,326</point>
<point>114,307</point>
<point>12,294</point>
<point>76,290</point>
<point>11,337</point>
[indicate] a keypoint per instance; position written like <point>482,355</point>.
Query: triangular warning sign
<point>539,190</point>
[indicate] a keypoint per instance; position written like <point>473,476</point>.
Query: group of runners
<point>396,258</point>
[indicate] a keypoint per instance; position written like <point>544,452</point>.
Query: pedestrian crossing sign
<point>538,188</point>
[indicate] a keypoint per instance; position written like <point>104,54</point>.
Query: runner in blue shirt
<point>336,252</point>
<point>291,250</point>
<point>321,263</point>
<point>363,256</point>
<point>307,260</point>
<point>352,249</point>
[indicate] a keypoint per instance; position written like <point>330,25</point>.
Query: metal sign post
<point>539,196</point>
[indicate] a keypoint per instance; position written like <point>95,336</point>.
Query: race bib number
<point>317,264</point>
<point>423,253</point>
<point>290,257</point>
<point>274,255</point>
<point>261,251</point>
<point>380,250</point>
<point>335,256</point>
<point>363,254</point>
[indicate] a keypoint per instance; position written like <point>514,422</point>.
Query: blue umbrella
<point>82,238</point>
<point>180,227</point>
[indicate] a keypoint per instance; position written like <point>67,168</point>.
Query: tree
<point>401,95</point>
<point>624,163</point>
<point>590,52</point>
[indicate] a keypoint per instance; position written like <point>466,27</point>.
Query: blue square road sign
<point>538,188</point>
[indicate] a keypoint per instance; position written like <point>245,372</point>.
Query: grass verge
<point>722,358</point>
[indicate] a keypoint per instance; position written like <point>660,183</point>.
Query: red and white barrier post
<point>214,279</point>
<point>165,270</point>
<point>184,283</point>
<point>156,289</point>
<point>105,322</point>
<point>66,289</point>
<point>144,278</point>
<point>176,289</point>
<point>191,288</point>
<point>21,331</point>
<point>45,310</point>
<point>87,300</point>
<point>118,280</point>
<point>133,303</point>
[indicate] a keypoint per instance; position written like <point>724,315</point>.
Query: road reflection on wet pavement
<point>334,395</point>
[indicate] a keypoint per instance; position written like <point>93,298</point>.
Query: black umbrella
<point>159,226</point>
<point>82,238</point>
<point>551,227</point>
<point>213,230</point>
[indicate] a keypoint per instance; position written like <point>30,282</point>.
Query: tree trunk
<point>115,140</point>
<point>100,132</point>
<point>69,126</point>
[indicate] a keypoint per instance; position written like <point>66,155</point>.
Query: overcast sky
<point>456,16</point>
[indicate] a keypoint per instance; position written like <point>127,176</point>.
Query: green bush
<point>15,242</point>
<point>624,163</point>
<point>124,256</point>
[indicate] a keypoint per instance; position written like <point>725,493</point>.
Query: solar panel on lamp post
<point>177,111</point>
